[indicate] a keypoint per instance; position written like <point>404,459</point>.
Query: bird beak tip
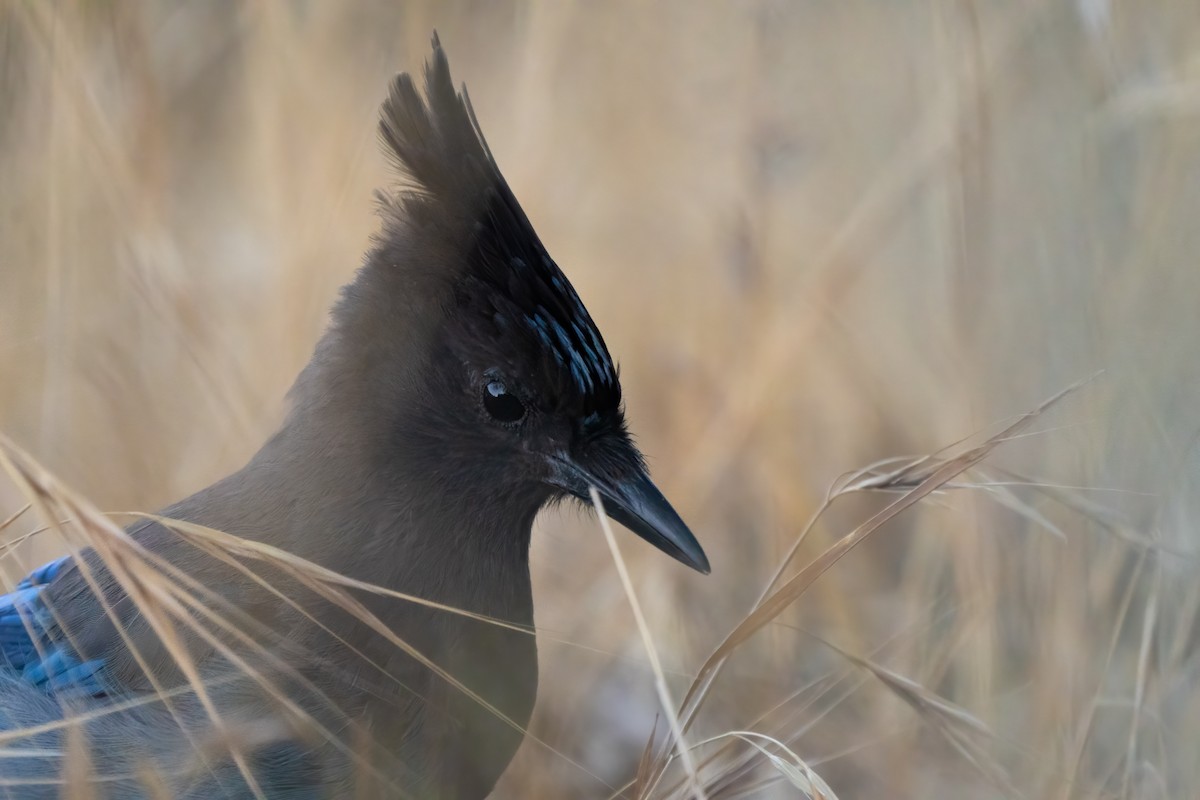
<point>634,501</point>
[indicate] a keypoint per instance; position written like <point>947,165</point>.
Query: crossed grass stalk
<point>175,604</point>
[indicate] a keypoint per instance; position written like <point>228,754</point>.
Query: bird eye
<point>503,406</point>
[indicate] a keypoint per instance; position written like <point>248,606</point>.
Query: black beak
<point>634,501</point>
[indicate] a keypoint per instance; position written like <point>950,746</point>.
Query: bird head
<point>536,391</point>
<point>519,390</point>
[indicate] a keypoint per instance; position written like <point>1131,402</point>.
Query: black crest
<point>503,277</point>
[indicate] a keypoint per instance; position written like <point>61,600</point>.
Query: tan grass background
<point>815,235</point>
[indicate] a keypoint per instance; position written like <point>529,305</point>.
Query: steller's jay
<point>460,387</point>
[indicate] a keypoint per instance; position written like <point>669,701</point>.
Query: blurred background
<point>816,235</point>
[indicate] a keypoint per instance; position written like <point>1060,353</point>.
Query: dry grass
<point>817,236</point>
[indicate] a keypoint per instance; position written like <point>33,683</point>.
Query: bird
<point>460,387</point>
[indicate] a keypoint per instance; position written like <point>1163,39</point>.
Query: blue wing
<point>32,645</point>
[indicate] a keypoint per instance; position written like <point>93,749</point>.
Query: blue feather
<point>31,644</point>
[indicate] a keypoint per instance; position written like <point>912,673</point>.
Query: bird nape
<point>460,387</point>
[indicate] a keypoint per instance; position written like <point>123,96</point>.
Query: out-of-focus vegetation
<point>816,235</point>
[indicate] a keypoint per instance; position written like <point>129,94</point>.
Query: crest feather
<point>503,278</point>
<point>435,142</point>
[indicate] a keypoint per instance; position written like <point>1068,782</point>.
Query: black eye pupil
<point>503,406</point>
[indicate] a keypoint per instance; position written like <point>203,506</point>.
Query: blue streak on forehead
<point>579,372</point>
<point>538,324</point>
<point>586,360</point>
<point>579,367</point>
<point>606,366</point>
<point>560,323</point>
<point>591,353</point>
<point>590,342</point>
